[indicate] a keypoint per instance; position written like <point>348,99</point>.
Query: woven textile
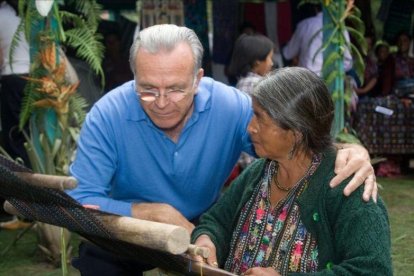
<point>383,134</point>
<point>56,207</point>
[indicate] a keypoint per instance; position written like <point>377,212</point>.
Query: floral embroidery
<point>273,237</point>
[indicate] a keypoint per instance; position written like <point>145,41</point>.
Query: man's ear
<point>199,75</point>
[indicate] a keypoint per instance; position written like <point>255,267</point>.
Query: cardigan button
<point>315,216</point>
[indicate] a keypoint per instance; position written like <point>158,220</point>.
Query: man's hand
<point>160,212</point>
<point>352,159</point>
<point>262,271</point>
<point>205,241</point>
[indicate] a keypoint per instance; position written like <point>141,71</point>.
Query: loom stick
<point>155,235</point>
<point>9,208</point>
<point>59,182</point>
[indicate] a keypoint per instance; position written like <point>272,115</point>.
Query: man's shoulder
<point>311,22</point>
<point>221,90</point>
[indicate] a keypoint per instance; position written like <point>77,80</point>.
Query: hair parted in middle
<point>298,100</point>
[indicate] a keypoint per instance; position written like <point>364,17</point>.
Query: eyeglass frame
<point>158,94</point>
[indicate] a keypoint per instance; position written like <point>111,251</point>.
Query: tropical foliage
<point>340,17</point>
<point>51,108</point>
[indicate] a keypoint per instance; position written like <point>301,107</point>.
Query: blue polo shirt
<point>122,157</point>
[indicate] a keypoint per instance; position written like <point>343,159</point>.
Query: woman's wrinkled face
<point>270,140</point>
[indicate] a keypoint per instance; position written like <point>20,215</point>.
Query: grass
<point>399,196</point>
<point>25,259</point>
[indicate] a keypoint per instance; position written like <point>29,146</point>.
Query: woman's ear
<point>256,64</point>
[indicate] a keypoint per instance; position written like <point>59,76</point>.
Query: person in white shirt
<point>307,40</point>
<point>12,83</point>
<point>12,91</point>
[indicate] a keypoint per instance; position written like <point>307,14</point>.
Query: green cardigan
<point>353,236</point>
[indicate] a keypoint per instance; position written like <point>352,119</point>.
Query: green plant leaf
<point>356,23</point>
<point>88,47</point>
<point>90,10</point>
<point>329,61</point>
<point>77,107</point>
<point>331,77</point>
<point>27,104</point>
<point>359,63</point>
<point>359,39</point>
<point>336,95</point>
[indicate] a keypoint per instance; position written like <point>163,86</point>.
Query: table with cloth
<point>386,134</point>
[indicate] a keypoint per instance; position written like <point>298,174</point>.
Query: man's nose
<point>162,100</point>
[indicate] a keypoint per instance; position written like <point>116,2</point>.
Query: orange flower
<point>48,57</point>
<point>48,86</point>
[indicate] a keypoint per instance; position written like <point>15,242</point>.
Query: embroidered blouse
<point>273,237</point>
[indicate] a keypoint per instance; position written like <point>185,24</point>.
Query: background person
<point>386,68</point>
<point>307,40</point>
<point>12,93</point>
<point>280,216</point>
<point>252,58</point>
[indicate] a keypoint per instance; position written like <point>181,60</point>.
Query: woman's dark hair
<point>380,44</point>
<point>298,100</point>
<point>247,50</point>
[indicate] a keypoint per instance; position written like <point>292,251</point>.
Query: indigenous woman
<point>280,216</point>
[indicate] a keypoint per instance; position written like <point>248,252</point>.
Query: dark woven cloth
<point>56,207</point>
<point>383,134</point>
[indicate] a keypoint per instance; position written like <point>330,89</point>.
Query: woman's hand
<point>262,271</point>
<point>205,241</point>
<point>352,158</point>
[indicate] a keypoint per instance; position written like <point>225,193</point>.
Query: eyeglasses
<point>174,95</point>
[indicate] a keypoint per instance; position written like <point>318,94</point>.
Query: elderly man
<point>160,147</point>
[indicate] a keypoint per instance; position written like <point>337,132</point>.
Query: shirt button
<point>176,153</point>
<point>315,216</point>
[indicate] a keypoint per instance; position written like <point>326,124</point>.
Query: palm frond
<point>16,40</point>
<point>32,18</point>
<point>90,10</point>
<point>336,95</point>
<point>331,40</point>
<point>359,38</point>
<point>334,56</point>
<point>356,11</point>
<point>27,104</point>
<point>88,47</point>
<point>356,22</point>
<point>77,108</point>
<point>68,17</point>
<point>333,74</point>
<point>359,64</point>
